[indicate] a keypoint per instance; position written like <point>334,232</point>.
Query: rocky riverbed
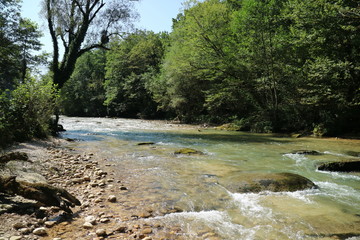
<point>108,210</point>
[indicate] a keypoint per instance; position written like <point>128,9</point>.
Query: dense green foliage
<point>26,104</point>
<point>266,66</point>
<point>26,112</point>
<point>131,66</point>
<point>84,94</point>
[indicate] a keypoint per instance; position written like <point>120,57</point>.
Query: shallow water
<point>196,184</point>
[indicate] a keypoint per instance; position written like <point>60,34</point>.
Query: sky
<point>155,15</point>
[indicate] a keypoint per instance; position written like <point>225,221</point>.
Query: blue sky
<point>155,15</point>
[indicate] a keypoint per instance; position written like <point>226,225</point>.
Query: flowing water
<point>196,184</point>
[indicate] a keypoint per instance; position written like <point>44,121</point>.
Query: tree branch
<point>84,50</point>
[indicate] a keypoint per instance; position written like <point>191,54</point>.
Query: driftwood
<point>41,192</point>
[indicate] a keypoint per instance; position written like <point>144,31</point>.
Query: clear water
<point>196,184</point>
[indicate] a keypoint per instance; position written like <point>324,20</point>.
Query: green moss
<point>188,151</point>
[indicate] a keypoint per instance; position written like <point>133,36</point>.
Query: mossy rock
<point>188,151</point>
<point>345,166</point>
<point>273,182</point>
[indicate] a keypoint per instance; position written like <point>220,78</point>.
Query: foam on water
<point>220,222</point>
<point>299,158</point>
<point>339,175</point>
<point>340,193</point>
<point>249,205</point>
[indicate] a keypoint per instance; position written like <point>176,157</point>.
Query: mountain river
<point>196,183</point>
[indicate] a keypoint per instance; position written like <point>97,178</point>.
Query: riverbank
<point>106,209</point>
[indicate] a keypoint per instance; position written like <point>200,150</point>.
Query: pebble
<point>41,231</point>
<point>90,219</point>
<point>87,225</point>
<point>146,231</point>
<point>19,225</point>
<point>104,220</point>
<point>145,214</point>
<point>49,224</point>
<point>121,229</point>
<point>100,232</point>
<point>15,238</point>
<point>25,231</point>
<point>112,198</point>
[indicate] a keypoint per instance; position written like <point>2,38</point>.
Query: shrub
<point>26,112</point>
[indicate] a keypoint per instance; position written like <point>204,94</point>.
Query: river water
<point>196,184</point>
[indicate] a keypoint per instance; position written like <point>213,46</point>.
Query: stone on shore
<point>41,231</point>
<point>101,232</point>
<point>112,198</point>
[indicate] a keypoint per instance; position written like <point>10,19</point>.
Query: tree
<point>84,94</point>
<point>9,51</point>
<point>27,40</point>
<point>131,66</point>
<point>325,39</point>
<point>82,25</point>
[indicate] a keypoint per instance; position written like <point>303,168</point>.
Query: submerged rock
<point>348,166</point>
<point>307,152</point>
<point>274,182</point>
<point>188,151</point>
<point>145,143</point>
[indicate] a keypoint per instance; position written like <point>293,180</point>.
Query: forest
<point>260,65</point>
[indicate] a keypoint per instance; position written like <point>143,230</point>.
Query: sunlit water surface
<point>196,184</point>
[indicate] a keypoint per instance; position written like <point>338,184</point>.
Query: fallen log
<point>44,193</point>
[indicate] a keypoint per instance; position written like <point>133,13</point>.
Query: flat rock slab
<point>346,166</point>
<point>274,182</point>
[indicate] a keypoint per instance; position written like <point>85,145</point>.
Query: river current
<point>196,183</point>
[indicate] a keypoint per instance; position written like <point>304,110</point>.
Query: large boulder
<point>274,182</point>
<point>346,166</point>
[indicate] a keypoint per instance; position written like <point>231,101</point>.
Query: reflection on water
<point>160,179</point>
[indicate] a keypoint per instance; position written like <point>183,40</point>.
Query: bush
<point>26,112</point>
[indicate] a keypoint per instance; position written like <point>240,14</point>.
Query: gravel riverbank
<point>105,212</point>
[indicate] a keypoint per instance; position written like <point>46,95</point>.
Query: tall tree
<point>84,94</point>
<point>28,40</point>
<point>131,66</point>
<point>80,26</point>
<point>9,51</point>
